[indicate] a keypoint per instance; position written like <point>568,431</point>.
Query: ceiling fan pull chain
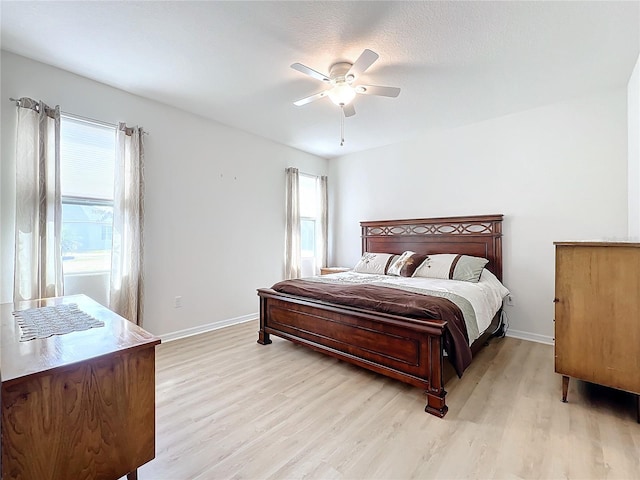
<point>341,125</point>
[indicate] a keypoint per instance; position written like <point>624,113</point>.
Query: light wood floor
<point>229,408</point>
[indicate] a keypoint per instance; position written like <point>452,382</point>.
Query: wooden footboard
<point>406,349</point>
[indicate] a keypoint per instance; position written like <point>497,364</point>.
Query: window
<point>308,214</point>
<point>87,162</point>
<point>311,229</point>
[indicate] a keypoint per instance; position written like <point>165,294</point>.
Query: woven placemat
<point>56,320</point>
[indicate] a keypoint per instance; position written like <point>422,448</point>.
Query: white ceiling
<point>456,62</point>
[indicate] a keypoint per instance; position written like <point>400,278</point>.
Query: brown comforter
<point>396,302</point>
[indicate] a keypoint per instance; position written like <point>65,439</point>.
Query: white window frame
<point>89,201</point>
<point>309,262</point>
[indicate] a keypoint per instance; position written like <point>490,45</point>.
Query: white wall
<point>557,173</point>
<point>214,224</point>
<point>633,120</point>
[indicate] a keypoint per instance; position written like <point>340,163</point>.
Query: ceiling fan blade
<point>304,101</point>
<point>349,110</point>
<point>376,90</point>
<point>309,71</point>
<point>364,61</point>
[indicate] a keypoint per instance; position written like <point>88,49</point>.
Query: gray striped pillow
<point>375,263</point>
<point>452,266</point>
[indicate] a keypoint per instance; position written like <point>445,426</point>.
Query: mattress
<point>479,302</point>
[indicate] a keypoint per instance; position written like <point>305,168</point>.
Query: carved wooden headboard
<point>478,236</point>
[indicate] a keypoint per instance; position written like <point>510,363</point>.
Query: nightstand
<point>328,270</point>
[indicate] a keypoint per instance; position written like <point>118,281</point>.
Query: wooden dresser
<point>597,314</point>
<point>77,406</point>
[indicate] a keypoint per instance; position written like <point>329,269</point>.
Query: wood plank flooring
<point>229,408</point>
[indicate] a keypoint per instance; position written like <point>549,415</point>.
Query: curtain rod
<point>99,122</point>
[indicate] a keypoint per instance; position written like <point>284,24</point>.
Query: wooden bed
<point>403,348</point>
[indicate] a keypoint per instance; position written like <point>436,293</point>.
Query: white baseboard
<point>532,337</point>
<point>188,332</point>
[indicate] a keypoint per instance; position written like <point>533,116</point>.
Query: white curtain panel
<point>323,231</point>
<point>292,255</point>
<point>38,254</point>
<point>126,289</point>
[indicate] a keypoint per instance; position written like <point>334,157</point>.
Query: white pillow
<point>452,266</point>
<point>375,263</point>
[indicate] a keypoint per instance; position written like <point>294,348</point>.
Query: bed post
<point>263,336</point>
<point>436,393</point>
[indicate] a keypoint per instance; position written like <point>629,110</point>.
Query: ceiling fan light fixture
<point>360,89</point>
<point>342,94</point>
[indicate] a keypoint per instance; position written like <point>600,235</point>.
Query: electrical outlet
<point>177,302</point>
<point>509,300</point>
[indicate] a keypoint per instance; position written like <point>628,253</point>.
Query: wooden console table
<point>80,405</point>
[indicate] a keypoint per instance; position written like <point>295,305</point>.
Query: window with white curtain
<point>87,167</point>
<point>308,214</point>
<point>309,223</point>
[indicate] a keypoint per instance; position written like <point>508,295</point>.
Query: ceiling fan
<point>341,80</point>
